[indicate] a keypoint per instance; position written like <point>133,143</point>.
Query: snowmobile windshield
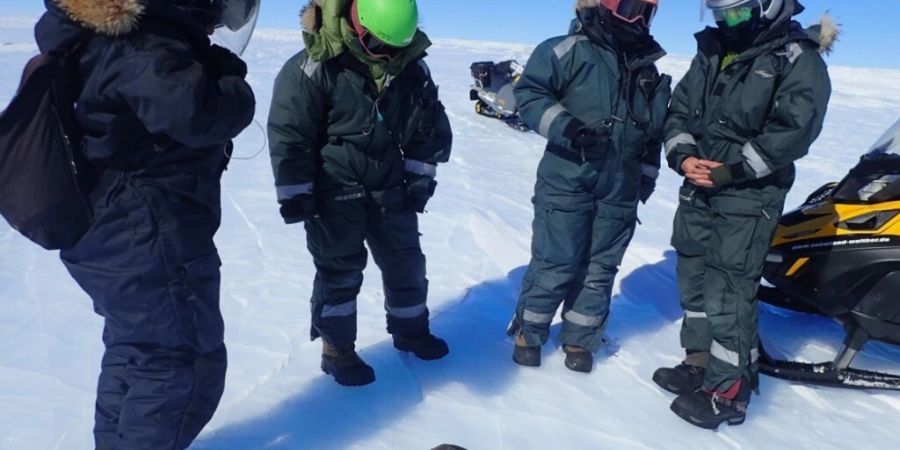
<point>877,176</point>
<point>889,143</point>
<point>237,20</point>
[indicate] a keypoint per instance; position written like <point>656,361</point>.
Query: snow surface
<point>476,237</point>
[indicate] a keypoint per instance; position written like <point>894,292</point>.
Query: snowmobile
<point>493,91</point>
<point>838,255</point>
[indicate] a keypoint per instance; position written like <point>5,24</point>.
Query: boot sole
<point>346,383</point>
<point>731,421</point>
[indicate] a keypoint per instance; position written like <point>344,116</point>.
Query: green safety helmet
<point>393,22</point>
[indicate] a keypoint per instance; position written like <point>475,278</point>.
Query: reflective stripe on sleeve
<point>420,168</point>
<point>756,161</point>
<point>547,119</point>
<point>682,138</point>
<point>293,190</point>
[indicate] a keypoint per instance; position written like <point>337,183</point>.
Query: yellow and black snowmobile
<point>839,255</point>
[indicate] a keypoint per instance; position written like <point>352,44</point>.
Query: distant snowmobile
<point>839,255</point>
<point>493,91</point>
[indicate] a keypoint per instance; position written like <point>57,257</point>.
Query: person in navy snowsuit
<point>158,108</point>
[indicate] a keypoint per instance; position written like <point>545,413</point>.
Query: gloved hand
<point>591,140</point>
<point>221,62</point>
<point>299,208</point>
<point>721,176</point>
<point>648,185</point>
<point>419,189</point>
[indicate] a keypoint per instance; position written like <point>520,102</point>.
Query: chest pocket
<point>411,107</point>
<point>751,98</point>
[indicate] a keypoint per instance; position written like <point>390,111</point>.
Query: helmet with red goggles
<point>632,11</point>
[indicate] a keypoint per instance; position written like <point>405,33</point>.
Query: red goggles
<point>371,44</point>
<point>632,11</point>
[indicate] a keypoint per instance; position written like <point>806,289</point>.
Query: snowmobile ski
<point>826,374</point>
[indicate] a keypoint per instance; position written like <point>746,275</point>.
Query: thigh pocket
<point>341,226</point>
<point>562,227</point>
<point>736,239</point>
<point>195,297</point>
<point>690,230</point>
<point>612,232</point>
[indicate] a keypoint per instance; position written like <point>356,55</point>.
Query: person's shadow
<point>328,416</point>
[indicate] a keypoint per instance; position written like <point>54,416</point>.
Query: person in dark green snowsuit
<point>598,98</point>
<point>752,103</point>
<point>357,131</point>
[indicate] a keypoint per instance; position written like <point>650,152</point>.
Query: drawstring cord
<point>261,148</point>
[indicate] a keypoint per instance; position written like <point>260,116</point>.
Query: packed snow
<point>476,236</point>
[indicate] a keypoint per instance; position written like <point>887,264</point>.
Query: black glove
<point>221,62</point>
<point>419,189</point>
<point>648,185</point>
<point>721,176</point>
<point>299,208</point>
<point>591,140</point>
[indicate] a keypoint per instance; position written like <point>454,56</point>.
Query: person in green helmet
<point>356,132</point>
<point>752,103</point>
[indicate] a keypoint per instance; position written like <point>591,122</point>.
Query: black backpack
<point>44,175</point>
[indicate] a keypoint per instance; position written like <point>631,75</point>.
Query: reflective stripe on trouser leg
<point>340,258</point>
<point>587,312</point>
<point>562,229</point>
<point>690,236</point>
<point>394,241</point>
<point>735,259</point>
<point>334,301</point>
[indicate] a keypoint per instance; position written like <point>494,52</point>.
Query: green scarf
<point>336,35</point>
<point>727,60</point>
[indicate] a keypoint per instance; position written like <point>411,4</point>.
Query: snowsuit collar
<point>643,56</point>
<point>328,34</point>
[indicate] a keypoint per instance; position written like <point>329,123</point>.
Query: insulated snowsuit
<point>757,115</point>
<point>359,139</point>
<point>157,121</point>
<point>585,210</point>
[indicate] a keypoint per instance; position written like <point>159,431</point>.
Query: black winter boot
<point>578,359</point>
<point>425,346</point>
<point>524,355</point>
<point>347,368</point>
<point>708,409</point>
<point>681,379</point>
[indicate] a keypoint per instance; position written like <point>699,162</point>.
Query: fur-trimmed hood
<point>584,4</point>
<point>109,17</point>
<point>311,17</point>
<point>826,33</point>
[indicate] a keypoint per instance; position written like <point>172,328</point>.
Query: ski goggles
<point>373,46</point>
<point>632,11</point>
<point>735,15</point>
